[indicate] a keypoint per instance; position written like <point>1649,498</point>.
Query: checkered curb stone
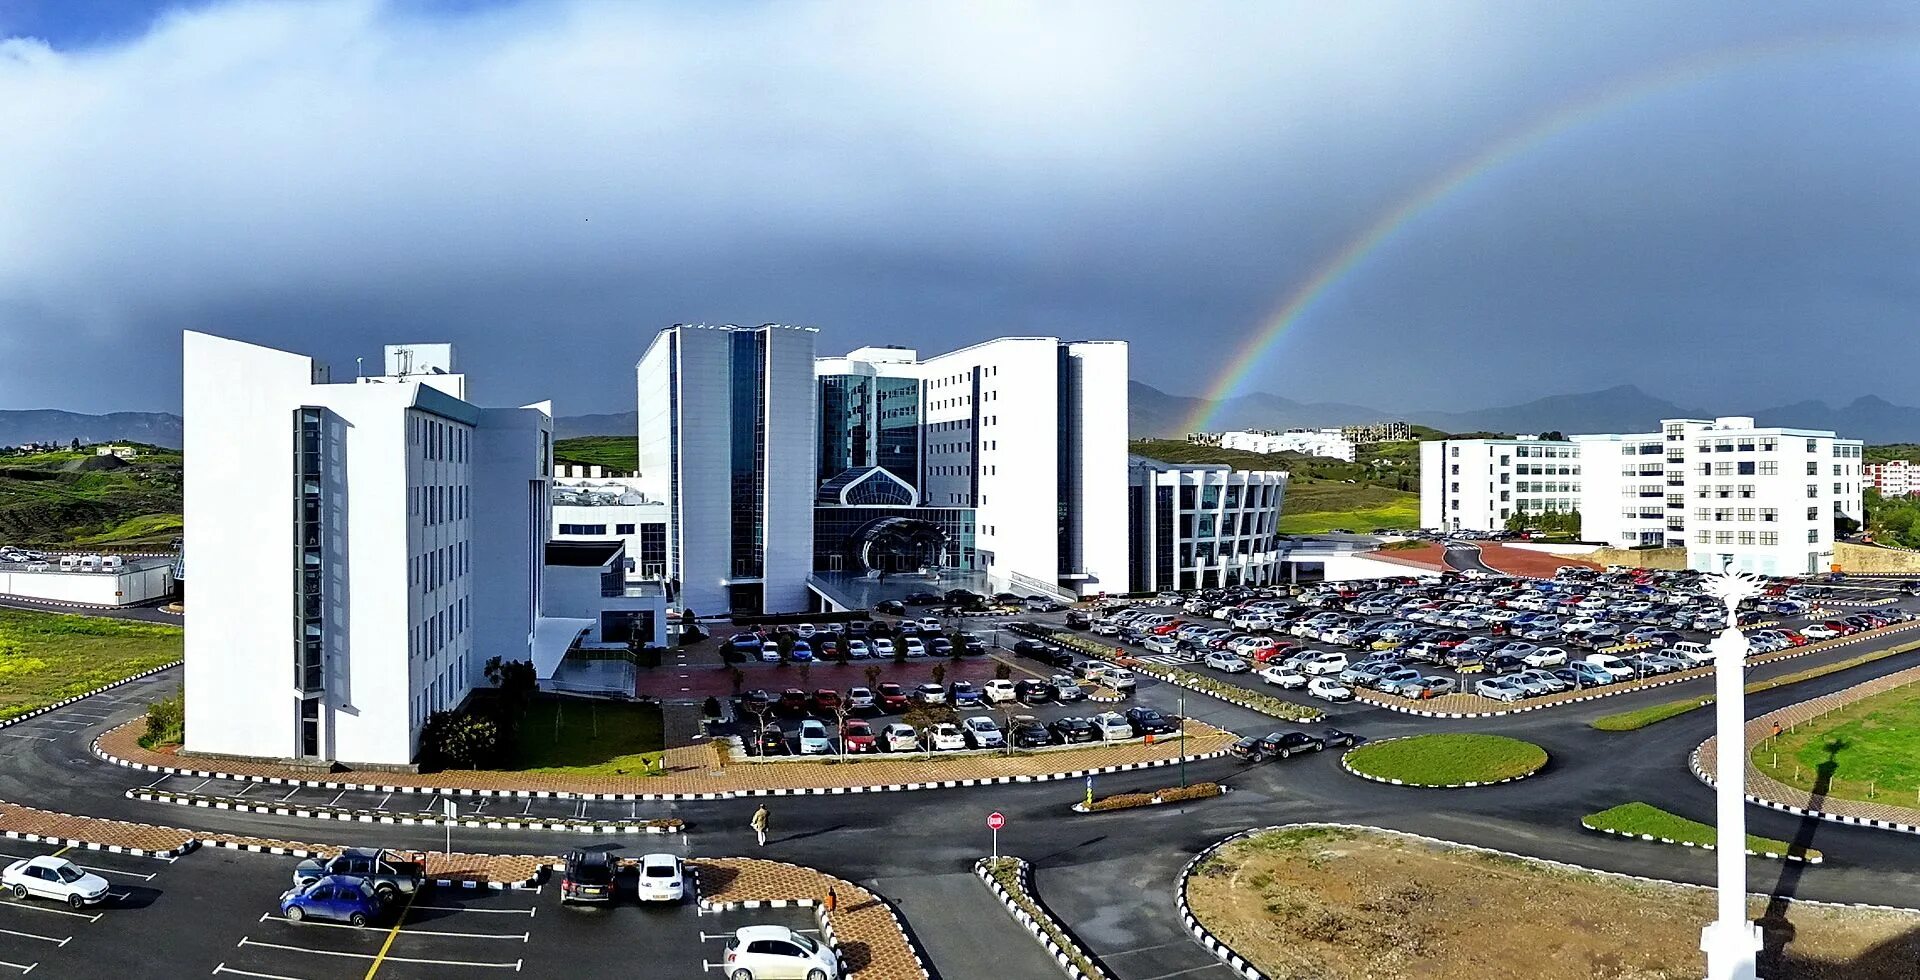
<point>109,848</point>
<point>1023,876</point>
<point>35,713</point>
<point>1693,763</point>
<point>1238,962</point>
<point>1705,847</point>
<point>1382,701</point>
<point>106,756</point>
<point>147,795</point>
<point>1397,782</point>
<point>304,852</point>
<point>821,915</point>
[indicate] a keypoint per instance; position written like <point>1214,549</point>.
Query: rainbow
<point>1511,147</point>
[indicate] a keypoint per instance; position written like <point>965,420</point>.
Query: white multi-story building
<point>1027,432</point>
<point>1894,478</point>
<point>1735,495</point>
<point>1202,526</point>
<point>360,549</point>
<point>726,439</point>
<point>614,509</point>
<point>1478,484</point>
<point>1329,443</point>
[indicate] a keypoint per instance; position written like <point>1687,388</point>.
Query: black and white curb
<point>1808,859</point>
<point>1693,762</point>
<point>821,915</point>
<point>1396,782</point>
<point>37,712</point>
<point>532,883</point>
<point>1207,940</point>
<point>88,845</point>
<point>147,795</point>
<point>1614,690</point>
<point>1043,927</point>
<point>645,797</point>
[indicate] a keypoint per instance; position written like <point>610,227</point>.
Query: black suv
<point>1073,731</point>
<point>589,877</point>
<point>1146,721</point>
<point>1032,691</point>
<point>1028,733</point>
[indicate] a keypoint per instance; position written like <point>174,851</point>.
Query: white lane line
<point>35,935</point>
<point>28,968</point>
<point>157,782</point>
<point>514,966</point>
<point>203,785</point>
<point>456,908</point>
<point>10,903</point>
<point>290,794</point>
<point>529,806</point>
<point>223,968</point>
<point>37,738</point>
<point>336,799</point>
<point>404,931</point>
<point>244,790</point>
<point>383,802</point>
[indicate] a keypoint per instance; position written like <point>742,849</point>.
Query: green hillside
<point>1380,488</point>
<point>80,499</point>
<point>614,452</point>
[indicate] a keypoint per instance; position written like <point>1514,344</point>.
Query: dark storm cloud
<point>545,184</point>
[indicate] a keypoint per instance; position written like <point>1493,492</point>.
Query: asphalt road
<point>1108,876</point>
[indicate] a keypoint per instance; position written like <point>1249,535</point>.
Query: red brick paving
<point>871,941</point>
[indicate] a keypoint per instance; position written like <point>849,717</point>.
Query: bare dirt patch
<point>1337,904</point>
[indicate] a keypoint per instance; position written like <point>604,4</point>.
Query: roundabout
<point>1446,761</point>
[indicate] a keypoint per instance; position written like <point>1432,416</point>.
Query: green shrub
<point>452,740</point>
<point>166,721</point>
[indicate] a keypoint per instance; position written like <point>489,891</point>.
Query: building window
<point>1769,468</point>
<point>1769,537</point>
<point>1813,535</point>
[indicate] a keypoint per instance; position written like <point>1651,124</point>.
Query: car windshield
<point>806,945</point>
<point>660,871</point>
<point>67,873</point>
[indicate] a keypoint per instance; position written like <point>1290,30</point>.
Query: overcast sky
<point>545,184</point>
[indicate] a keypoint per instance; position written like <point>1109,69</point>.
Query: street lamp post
<point>1732,940</point>
<point>1181,704</point>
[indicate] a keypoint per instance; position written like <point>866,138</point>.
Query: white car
<point>1546,657</point>
<point>982,733</point>
<point>1113,726</point>
<point>998,690</point>
<point>814,739</point>
<point>1106,627</point>
<point>1819,631</point>
<point>858,650</point>
<point>1117,678</point>
<point>662,879</point>
<point>1324,663</point>
<point>777,953</point>
<point>900,738</point>
<point>1615,667</point>
<point>47,876</point>
<point>1227,663</point>
<point>1283,677</point>
<point>883,647</point>
<point>1328,689</point>
<point>946,737</point>
<point>915,648</point>
<point>1161,644</point>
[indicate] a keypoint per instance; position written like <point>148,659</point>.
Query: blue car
<point>964,693</point>
<point>336,897</point>
<point>802,650</point>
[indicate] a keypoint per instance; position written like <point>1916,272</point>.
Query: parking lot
<point>93,713</point>
<point>1448,636</point>
<point>47,938</point>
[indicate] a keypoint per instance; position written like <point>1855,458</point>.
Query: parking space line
<point>336,799</point>
<point>19,904</point>
<point>521,936</point>
<point>249,941</point>
<point>245,789</point>
<point>37,738</point>
<point>90,867</point>
<point>383,802</point>
<point>35,935</point>
<point>28,968</point>
<point>203,785</point>
<point>223,968</point>
<point>290,794</point>
<point>456,908</point>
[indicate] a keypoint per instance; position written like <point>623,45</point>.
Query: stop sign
<point>995,821</point>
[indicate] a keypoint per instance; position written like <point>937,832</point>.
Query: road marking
<point>379,957</point>
<point>374,967</point>
<point>336,799</point>
<point>223,968</point>
<point>37,738</point>
<point>32,935</point>
<point>383,802</point>
<point>290,794</point>
<point>244,790</point>
<point>203,785</point>
<point>21,904</point>
<point>23,969</point>
<point>270,917</point>
<point>456,908</point>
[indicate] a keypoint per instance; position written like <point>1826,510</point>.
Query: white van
<point>69,562</point>
<point>1696,652</point>
<point>1615,667</point>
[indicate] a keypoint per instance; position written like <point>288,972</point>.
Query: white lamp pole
<point>1732,940</point>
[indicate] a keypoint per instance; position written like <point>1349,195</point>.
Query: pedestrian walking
<point>1776,729</point>
<point>759,824</point>
<point>833,899</point>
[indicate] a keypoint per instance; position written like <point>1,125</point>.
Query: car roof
<point>658,860</point>
<point>751,933</point>
<point>47,861</point>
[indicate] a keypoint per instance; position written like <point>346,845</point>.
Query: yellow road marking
<point>63,850</point>
<point>374,967</point>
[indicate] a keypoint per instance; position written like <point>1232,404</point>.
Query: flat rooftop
<point>582,554</point>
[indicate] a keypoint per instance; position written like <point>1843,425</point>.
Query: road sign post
<point>452,811</point>
<point>995,821</point>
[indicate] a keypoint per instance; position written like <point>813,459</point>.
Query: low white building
<point>1894,478</point>
<point>1202,526</point>
<point>1329,443</point>
<point>614,509</point>
<point>105,581</point>
<point>1735,495</point>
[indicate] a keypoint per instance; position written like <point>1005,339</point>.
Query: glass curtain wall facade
<point>748,391</point>
<point>846,424</point>
<point>899,427</point>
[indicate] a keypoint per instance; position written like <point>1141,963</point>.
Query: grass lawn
<point>1869,750</point>
<point>1644,818</point>
<point>1449,759</point>
<point>48,657</point>
<point>1626,721</point>
<point>617,452</point>
<point>158,530</point>
<point>580,737</point>
<point>1346,905</point>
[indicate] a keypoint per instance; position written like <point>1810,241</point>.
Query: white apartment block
<point>1735,495</point>
<point>1894,478</point>
<point>1329,443</point>
<point>1029,432</point>
<point>614,509</point>
<point>726,439</point>
<point>360,549</point>
<point>1202,527</point>
<point>1478,484</point>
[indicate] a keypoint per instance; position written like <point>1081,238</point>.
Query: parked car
<point>1029,733</point>
<point>662,879</point>
<point>1113,726</point>
<point>1032,691</point>
<point>1329,689</point>
<point>1283,677</point>
<point>335,897</point>
<point>899,737</point>
<point>860,699</point>
<point>1074,731</point>
<point>813,738</point>
<point>54,878</point>
<point>1545,657</point>
<point>1501,689</point>
<point>777,953</point>
<point>589,876</point>
<point>1147,721</point>
<point>857,736</point>
<point>999,690</point>
<point>1066,690</point>
<point>389,873</point>
<point>981,733</point>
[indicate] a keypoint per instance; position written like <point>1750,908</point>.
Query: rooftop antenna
<point>359,370</point>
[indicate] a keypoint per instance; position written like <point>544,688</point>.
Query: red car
<point>858,736</point>
<point>892,697</point>
<point>1170,627</point>
<point>1794,637</point>
<point>793,701</point>
<point>1267,653</point>
<point>826,700</point>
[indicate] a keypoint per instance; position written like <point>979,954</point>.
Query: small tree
<point>841,709</point>
<point>900,651</point>
<point>1001,671</point>
<point>739,679</point>
<point>517,683</point>
<point>783,642</point>
<point>873,676</point>
<point>459,741</point>
<point>939,673</point>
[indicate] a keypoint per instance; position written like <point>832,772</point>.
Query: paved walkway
<point>699,769</point>
<point>967,931</point>
<point>1764,787</point>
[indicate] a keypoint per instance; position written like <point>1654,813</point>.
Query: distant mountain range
<point>1155,413</point>
<point>52,425</point>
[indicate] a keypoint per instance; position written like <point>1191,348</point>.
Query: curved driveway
<point>1109,877</point>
